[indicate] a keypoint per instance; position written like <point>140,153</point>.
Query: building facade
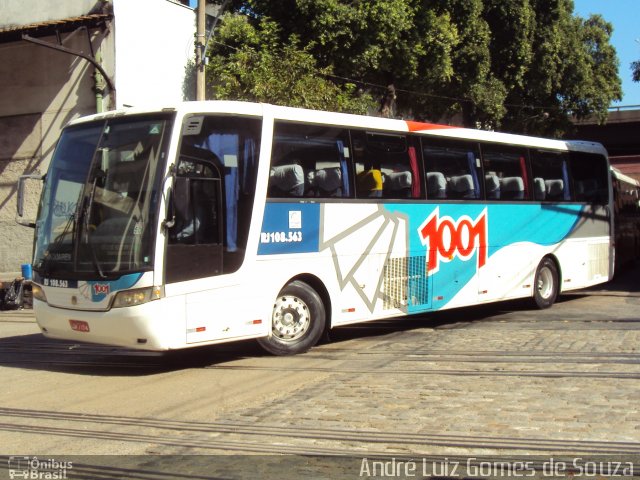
<point>619,136</point>
<point>62,60</point>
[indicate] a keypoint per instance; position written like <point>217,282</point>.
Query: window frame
<point>510,181</point>
<point>474,170</point>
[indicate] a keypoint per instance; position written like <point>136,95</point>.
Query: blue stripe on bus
<point>507,224</point>
<point>454,241</point>
<point>295,227</point>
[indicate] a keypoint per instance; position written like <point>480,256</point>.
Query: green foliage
<point>512,24</point>
<point>249,62</point>
<point>518,65</point>
<point>599,69</point>
<point>471,89</point>
<point>635,67</point>
<point>574,72</point>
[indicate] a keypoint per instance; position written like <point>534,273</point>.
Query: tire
<point>546,284</point>
<point>297,320</point>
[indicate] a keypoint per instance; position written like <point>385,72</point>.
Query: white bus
<point>211,222</point>
<point>626,199</point>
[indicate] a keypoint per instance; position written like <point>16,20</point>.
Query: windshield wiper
<point>86,216</point>
<point>45,262</point>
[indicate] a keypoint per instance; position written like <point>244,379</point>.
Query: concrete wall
<point>24,12</point>
<point>154,42</point>
<point>41,91</point>
<point>619,135</point>
<point>145,52</point>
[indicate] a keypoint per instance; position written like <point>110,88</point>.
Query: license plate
<point>59,283</point>
<point>79,325</point>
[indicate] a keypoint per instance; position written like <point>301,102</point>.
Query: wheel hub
<point>288,319</point>
<point>545,283</point>
<point>291,318</point>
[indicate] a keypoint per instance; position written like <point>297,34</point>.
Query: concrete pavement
<point>500,380</point>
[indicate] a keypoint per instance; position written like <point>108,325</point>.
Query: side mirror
<point>22,186</point>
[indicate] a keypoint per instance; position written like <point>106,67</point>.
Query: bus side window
<point>452,169</point>
<point>590,177</point>
<point>286,181</point>
<point>386,165</point>
<point>234,144</point>
<point>506,173</point>
<point>550,172</point>
<point>309,161</point>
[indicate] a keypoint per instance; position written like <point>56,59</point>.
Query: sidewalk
<point>499,380</point>
<point>22,315</point>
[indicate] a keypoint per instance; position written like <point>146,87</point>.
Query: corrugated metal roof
<point>42,29</point>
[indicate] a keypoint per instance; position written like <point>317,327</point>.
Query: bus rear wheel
<point>297,320</point>
<point>545,288</point>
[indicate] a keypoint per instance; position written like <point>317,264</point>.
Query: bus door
<point>195,247</point>
<point>209,216</point>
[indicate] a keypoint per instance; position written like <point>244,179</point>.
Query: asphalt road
<point>497,381</point>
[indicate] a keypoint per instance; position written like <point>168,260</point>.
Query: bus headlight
<point>38,292</point>
<point>130,298</point>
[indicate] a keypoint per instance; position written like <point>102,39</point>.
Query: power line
<point>402,90</point>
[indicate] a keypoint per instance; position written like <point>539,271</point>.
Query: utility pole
<point>200,47</point>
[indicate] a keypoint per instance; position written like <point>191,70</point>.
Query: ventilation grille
<point>405,282</point>
<point>598,263</point>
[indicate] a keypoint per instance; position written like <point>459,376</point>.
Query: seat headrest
<point>398,180</point>
<point>461,183</point>
<point>512,184</point>
<point>286,177</point>
<point>554,187</point>
<point>492,182</point>
<point>328,179</point>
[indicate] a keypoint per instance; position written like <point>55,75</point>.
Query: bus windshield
<point>99,207</point>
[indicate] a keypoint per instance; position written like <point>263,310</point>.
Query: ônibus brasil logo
<point>446,238</point>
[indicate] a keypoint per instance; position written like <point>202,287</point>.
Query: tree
<point>635,67</point>
<point>598,65</point>
<point>472,89</point>
<point>374,43</point>
<point>249,62</point>
<point>519,65</point>
<point>556,66</point>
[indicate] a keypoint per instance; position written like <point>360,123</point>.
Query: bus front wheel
<point>545,288</point>
<point>297,320</point>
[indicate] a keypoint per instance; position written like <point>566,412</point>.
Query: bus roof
<point>625,178</point>
<point>350,120</point>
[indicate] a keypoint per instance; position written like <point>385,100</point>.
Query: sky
<point>622,14</point>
